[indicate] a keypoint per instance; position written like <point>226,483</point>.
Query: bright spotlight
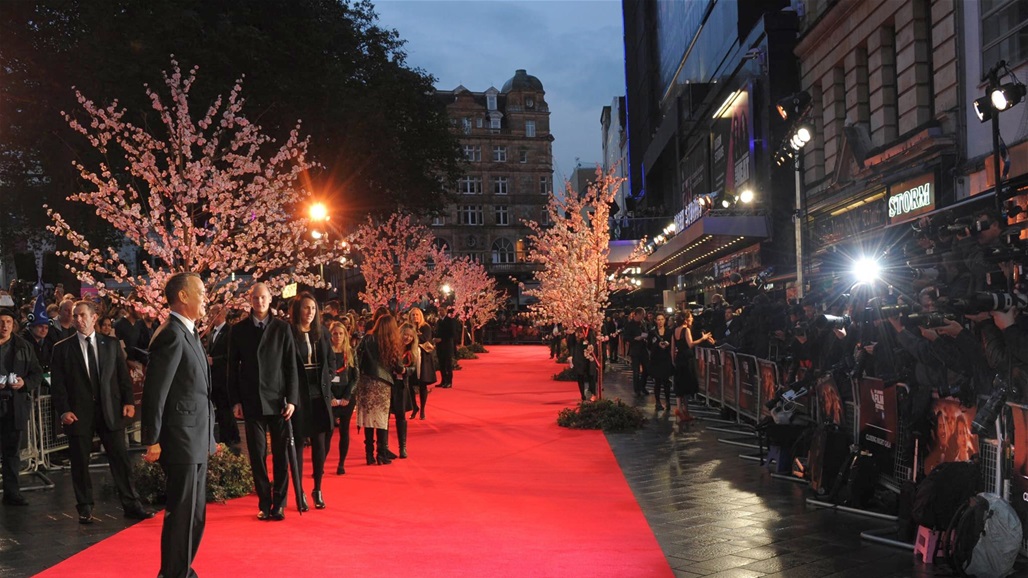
<point>446,289</point>
<point>746,196</point>
<point>316,234</point>
<point>1006,96</point>
<point>866,270</point>
<point>670,309</point>
<point>726,203</point>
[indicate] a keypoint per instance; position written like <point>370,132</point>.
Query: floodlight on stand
<point>746,196</point>
<point>726,203</point>
<point>983,108</point>
<point>1007,95</point>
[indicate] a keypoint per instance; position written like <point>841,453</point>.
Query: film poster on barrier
<point>714,375</point>
<point>829,402</point>
<point>1019,473</point>
<point>749,403</point>
<point>952,439</point>
<point>701,369</point>
<point>768,384</point>
<point>729,377</point>
<point>879,420</point>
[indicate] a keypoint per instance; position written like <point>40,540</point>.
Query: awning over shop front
<point>708,238</point>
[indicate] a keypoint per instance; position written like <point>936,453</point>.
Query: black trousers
<point>184,518</point>
<point>257,430</point>
<point>228,429</point>
<point>586,384</point>
<point>10,450</point>
<point>114,444</point>
<point>638,374</point>
<point>446,353</point>
<point>345,416</point>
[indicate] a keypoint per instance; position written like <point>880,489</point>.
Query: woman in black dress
<point>686,380</point>
<point>427,367</point>
<point>315,357</point>
<point>661,367</point>
<point>344,380</point>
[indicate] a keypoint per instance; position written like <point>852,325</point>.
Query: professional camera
<point>832,321</point>
<point>931,320</point>
<point>889,310</point>
<point>985,301</point>
<point>989,411</point>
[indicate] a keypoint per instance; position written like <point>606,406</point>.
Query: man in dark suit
<point>447,332</point>
<point>635,334</point>
<point>20,376</point>
<point>216,343</point>
<point>262,373</point>
<point>92,393</point>
<point>178,422</point>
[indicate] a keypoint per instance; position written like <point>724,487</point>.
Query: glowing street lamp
<point>318,212</point>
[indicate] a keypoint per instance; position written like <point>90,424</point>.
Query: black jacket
<point>23,363</point>
<point>262,368</point>
<point>177,409</point>
<point>71,390</point>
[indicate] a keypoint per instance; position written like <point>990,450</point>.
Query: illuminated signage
<point>911,198</point>
<point>289,291</point>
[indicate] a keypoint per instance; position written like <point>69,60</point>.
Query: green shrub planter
<point>464,352</point>
<point>228,476</point>
<point>478,348</point>
<point>566,374</point>
<point>609,416</point>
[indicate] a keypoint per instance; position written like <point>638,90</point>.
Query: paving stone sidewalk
<point>718,515</point>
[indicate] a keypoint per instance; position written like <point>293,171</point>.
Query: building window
<point>442,245</point>
<point>523,156</point>
<point>500,185</point>
<point>479,122</point>
<point>502,217</point>
<point>470,186</point>
<point>494,123</point>
<point>470,214</point>
<point>530,128</point>
<point>545,185</point>
<point>438,221</point>
<point>499,154</point>
<point>472,153</point>
<point>490,101</point>
<point>545,220</point>
<point>1004,32</point>
<point>503,251</point>
<point>466,124</point>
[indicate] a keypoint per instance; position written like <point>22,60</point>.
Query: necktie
<point>93,369</point>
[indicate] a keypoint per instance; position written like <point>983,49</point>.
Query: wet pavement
<point>718,515</point>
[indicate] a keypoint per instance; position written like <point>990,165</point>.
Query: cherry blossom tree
<point>400,263</point>
<point>476,298</point>
<point>212,195</point>
<point>574,286</point>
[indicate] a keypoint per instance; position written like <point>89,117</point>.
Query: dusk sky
<point>574,47</point>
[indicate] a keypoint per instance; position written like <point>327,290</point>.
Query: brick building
<point>507,146</point>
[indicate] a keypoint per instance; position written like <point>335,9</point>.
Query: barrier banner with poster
<point>952,439</point>
<point>879,420</point>
<point>714,375</point>
<point>828,400</point>
<point>1019,473</point>
<point>769,381</point>
<point>701,369</point>
<point>729,379</point>
<point>749,404</point>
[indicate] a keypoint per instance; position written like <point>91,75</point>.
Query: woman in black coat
<point>343,383</point>
<point>315,360</point>
<point>661,368</point>
<point>583,362</point>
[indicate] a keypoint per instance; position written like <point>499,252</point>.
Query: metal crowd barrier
<point>31,456</point>
<point>721,388</point>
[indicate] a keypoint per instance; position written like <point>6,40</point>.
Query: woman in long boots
<point>344,381</point>
<point>401,401</point>
<point>380,358</point>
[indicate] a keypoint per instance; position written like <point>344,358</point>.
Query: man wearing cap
<point>20,376</point>
<point>92,392</point>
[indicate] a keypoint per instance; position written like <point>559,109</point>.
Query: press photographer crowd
<point>928,330</point>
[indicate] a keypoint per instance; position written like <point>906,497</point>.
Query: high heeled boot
<point>369,445</point>
<point>401,436</point>
<point>383,447</point>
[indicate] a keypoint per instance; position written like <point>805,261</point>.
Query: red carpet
<point>493,487</point>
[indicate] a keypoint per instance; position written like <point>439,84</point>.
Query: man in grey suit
<point>178,422</point>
